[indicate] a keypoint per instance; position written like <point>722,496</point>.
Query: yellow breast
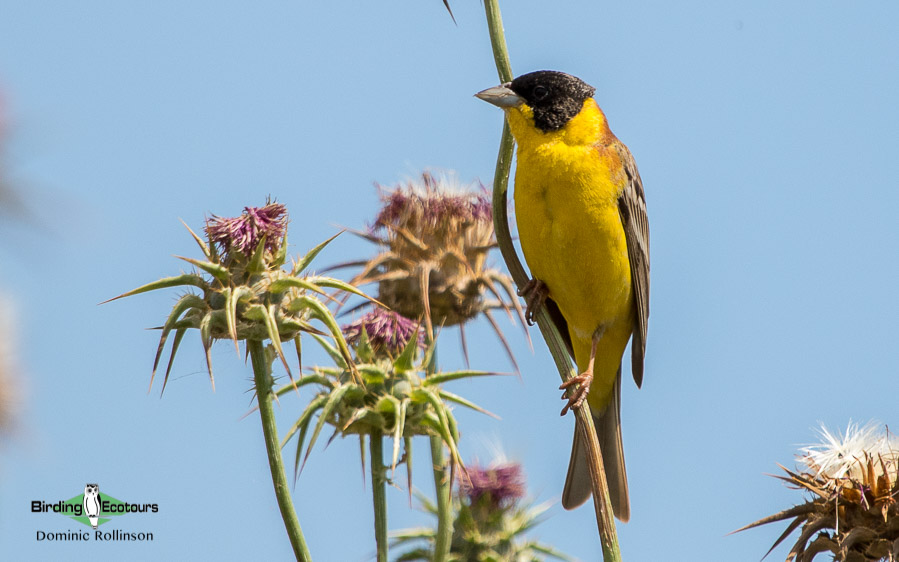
<point>566,205</point>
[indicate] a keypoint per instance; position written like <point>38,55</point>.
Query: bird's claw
<point>578,395</point>
<point>534,292</point>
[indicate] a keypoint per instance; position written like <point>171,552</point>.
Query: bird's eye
<point>540,92</point>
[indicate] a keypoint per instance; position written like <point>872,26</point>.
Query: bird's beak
<point>501,96</point>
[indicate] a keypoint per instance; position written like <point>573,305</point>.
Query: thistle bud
<point>386,331</point>
<point>490,521</point>
<point>497,486</point>
<point>396,397</point>
<point>244,294</point>
<point>238,238</point>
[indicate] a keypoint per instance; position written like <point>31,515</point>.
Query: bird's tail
<point>577,483</point>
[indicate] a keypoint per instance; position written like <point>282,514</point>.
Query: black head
<point>555,97</point>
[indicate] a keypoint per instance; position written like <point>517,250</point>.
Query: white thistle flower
<point>846,455</point>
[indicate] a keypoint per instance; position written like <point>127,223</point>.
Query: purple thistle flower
<point>385,329</point>
<point>502,484</point>
<point>243,233</point>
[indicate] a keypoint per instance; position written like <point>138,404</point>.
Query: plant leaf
<point>324,315</point>
<point>284,283</point>
<point>188,279</point>
<point>200,242</point>
<point>218,271</point>
<point>448,9</point>
<point>407,450</point>
<point>336,356</point>
<point>440,378</point>
<point>183,304</point>
<point>332,283</point>
<point>272,326</point>
<point>307,259</point>
<point>406,361</point>
<point>333,400</point>
<point>179,335</point>
<point>256,265</point>
<point>467,403</point>
<point>304,428</point>
<point>311,408</point>
<point>445,427</point>
<point>399,426</point>
<point>281,256</point>
<point>308,379</point>
<point>206,338</point>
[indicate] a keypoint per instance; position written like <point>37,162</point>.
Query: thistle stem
<point>442,485</point>
<point>444,505</point>
<point>262,374</point>
<point>498,41</point>
<point>601,501</point>
<point>378,483</point>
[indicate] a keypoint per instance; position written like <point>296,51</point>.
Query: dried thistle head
<point>240,291</point>
<point>437,242</point>
<point>853,514</point>
<point>432,265</point>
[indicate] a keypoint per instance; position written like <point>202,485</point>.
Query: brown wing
<point>632,208</point>
<point>561,324</point>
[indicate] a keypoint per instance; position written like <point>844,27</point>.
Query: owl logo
<point>92,503</point>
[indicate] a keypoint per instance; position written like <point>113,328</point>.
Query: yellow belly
<point>566,206</point>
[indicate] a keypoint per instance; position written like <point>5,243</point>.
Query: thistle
<point>493,487</point>
<point>399,396</point>
<point>432,265</point>
<point>241,291</point>
<point>434,240</point>
<point>853,480</point>
<point>394,398</point>
<point>490,524</point>
<point>386,331</point>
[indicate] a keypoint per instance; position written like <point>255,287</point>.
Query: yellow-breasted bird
<point>582,224</point>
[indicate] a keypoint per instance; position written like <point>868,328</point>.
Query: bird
<point>581,216</point>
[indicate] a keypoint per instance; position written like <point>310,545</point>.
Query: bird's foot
<point>578,395</point>
<point>534,292</point>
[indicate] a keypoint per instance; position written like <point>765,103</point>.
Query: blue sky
<point>765,134</point>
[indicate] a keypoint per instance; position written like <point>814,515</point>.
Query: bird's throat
<point>585,128</point>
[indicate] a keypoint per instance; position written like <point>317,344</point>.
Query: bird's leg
<point>577,396</point>
<point>534,292</point>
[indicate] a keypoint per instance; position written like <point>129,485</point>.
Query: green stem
<point>498,41</point>
<point>442,485</point>
<point>262,373</point>
<point>602,502</point>
<point>378,484</point>
<point>444,504</point>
